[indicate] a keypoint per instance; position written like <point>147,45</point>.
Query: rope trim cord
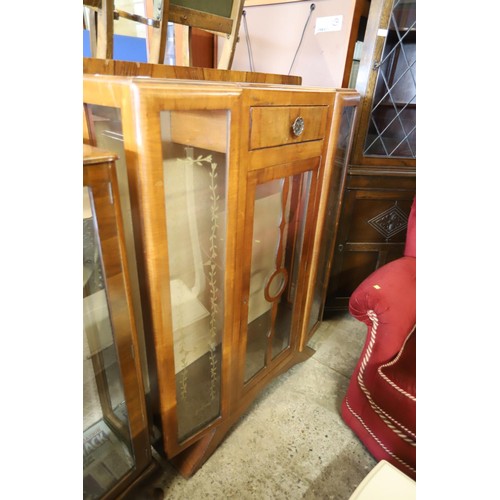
<point>382,445</point>
<point>394,361</point>
<point>387,419</point>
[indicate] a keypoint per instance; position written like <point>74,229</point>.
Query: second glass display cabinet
<point>229,188</point>
<point>116,446</point>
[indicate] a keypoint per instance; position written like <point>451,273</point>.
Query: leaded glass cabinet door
<point>115,437</point>
<point>279,212</point>
<point>387,133</point>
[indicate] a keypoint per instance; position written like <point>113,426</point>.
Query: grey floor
<point>292,443</point>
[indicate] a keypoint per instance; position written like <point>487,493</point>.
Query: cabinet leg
<point>191,459</point>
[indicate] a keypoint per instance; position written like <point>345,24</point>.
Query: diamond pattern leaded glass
<point>392,129</point>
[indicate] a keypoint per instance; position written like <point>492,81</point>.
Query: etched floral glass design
<point>280,208</point>
<point>195,204</point>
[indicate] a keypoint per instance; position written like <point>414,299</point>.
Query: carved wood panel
<point>372,232</point>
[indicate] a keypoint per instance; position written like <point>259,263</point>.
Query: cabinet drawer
<point>274,125</point>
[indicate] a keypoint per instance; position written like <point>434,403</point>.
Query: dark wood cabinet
<point>380,181</point>
<point>372,231</point>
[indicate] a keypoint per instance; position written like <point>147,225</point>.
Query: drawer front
<point>279,125</point>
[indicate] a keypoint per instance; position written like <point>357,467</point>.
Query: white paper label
<point>330,23</point>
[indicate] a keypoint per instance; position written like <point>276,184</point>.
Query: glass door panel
<point>105,123</point>
<point>392,127</point>
<point>107,444</point>
<point>280,208</point>
<point>195,173</point>
<point>328,233</point>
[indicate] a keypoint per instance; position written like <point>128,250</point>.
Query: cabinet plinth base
<point>141,484</point>
<point>189,461</point>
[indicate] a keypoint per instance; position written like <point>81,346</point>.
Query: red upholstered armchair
<point>380,404</point>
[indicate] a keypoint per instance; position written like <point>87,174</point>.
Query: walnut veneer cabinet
<point>381,177</point>
<point>116,446</point>
<point>230,188</point>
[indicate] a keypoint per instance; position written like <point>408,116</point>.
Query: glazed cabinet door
<point>330,204</point>
<point>194,179</point>
<point>182,186</point>
<point>388,81</point>
<point>289,160</point>
<point>179,143</point>
<point>279,217</point>
<point>116,449</point>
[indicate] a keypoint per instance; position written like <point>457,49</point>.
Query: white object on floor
<point>385,482</point>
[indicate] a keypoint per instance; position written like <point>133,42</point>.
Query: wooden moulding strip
<point>272,156</point>
<point>106,95</point>
<point>128,68</point>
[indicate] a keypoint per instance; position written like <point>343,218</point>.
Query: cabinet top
<point>209,86</point>
<point>127,68</point>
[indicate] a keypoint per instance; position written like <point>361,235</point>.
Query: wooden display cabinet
<point>229,189</point>
<point>116,446</point>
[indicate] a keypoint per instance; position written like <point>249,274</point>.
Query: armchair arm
<point>381,398</point>
<point>388,297</point>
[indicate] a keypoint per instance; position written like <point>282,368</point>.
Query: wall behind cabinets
<point>275,31</point>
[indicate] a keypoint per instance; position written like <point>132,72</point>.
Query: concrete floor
<point>292,443</point>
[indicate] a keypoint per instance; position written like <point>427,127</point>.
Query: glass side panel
<point>107,455</point>
<point>280,208</point>
<point>325,251</point>
<point>392,129</point>
<point>106,123</point>
<point>195,172</point>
